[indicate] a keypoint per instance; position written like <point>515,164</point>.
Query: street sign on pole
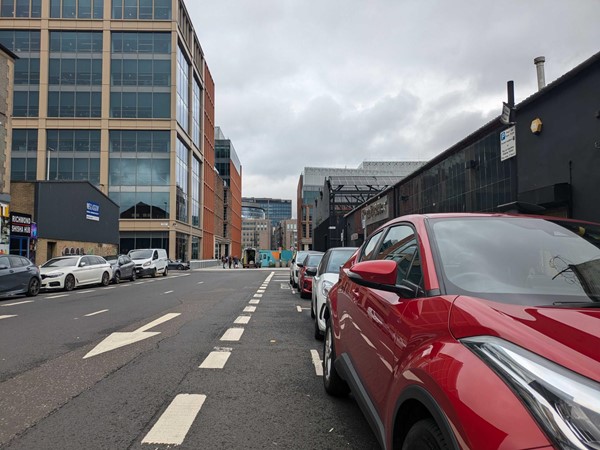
<point>506,118</point>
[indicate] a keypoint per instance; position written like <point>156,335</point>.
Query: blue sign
<point>92,211</point>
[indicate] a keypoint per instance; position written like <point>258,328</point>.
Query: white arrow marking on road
<point>316,359</point>
<point>175,422</point>
<point>6,317</point>
<point>117,340</point>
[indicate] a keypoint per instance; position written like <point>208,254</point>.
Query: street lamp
<point>48,150</point>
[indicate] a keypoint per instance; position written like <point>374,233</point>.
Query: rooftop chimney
<point>541,78</point>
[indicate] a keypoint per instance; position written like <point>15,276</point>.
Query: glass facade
<point>75,74</point>
<point>140,75</point>
<point>141,9</point>
<point>143,239</point>
<point>77,9</point>
<point>472,180</point>
<point>75,155</point>
<point>20,8</point>
<point>24,155</point>
<point>196,189</point>
<point>196,114</point>
<point>183,70</point>
<point>26,45</point>
<point>139,173</point>
<point>182,181</point>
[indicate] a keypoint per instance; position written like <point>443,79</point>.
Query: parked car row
<point>18,275</point>
<point>468,331</point>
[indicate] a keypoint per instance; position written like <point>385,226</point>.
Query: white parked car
<point>327,275</point>
<point>68,272</point>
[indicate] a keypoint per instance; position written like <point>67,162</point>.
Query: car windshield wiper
<point>594,304</point>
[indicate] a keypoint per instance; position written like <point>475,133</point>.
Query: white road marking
<point>86,292</point>
<point>169,292</point>
<point>233,334</point>
<point>18,303</point>
<point>258,295</point>
<point>58,296</point>
<point>200,282</point>
<point>6,317</point>
<point>250,309</point>
<point>285,286</point>
<point>260,291</point>
<point>316,359</point>
<point>121,339</point>
<point>95,313</point>
<point>242,320</point>
<point>254,301</point>
<point>215,360</point>
<point>110,287</point>
<point>140,282</point>
<point>298,309</point>
<point>175,422</point>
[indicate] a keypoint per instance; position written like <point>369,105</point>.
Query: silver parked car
<point>68,272</point>
<point>18,275</point>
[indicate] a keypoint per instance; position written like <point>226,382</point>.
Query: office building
<point>117,93</point>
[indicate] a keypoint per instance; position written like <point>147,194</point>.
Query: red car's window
<point>370,247</point>
<point>400,245</point>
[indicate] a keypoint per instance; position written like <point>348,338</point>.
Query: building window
<point>141,9</point>
<point>139,173</point>
<point>26,45</point>
<point>182,181</point>
<point>75,74</point>
<point>196,189</point>
<point>196,114</point>
<point>75,155</point>
<point>77,9</point>
<point>21,8</point>
<point>183,70</point>
<point>24,155</point>
<point>149,74</point>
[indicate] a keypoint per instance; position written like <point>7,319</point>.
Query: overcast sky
<point>331,83</point>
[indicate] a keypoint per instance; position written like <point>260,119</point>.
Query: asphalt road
<point>212,358</point>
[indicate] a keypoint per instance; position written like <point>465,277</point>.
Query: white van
<point>150,261</point>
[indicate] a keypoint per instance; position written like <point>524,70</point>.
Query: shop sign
<point>20,224</point>
<point>92,211</point>
<point>375,212</point>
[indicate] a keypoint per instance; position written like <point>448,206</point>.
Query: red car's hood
<point>569,337</point>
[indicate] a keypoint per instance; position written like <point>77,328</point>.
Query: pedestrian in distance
<point>230,260</point>
<point>224,260</point>
<point>235,261</point>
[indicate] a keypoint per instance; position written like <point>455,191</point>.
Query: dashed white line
<point>58,296</point>
<point>6,317</point>
<point>242,320</point>
<point>110,287</point>
<point>175,422</point>
<point>316,359</point>
<point>96,313</point>
<point>233,334</point>
<point>258,295</point>
<point>200,282</point>
<point>254,301</point>
<point>86,292</point>
<point>215,360</point>
<point>260,291</point>
<point>250,309</point>
<point>169,292</point>
<point>18,303</point>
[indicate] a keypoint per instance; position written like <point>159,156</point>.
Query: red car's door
<point>379,316</point>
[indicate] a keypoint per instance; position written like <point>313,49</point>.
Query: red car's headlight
<point>565,404</point>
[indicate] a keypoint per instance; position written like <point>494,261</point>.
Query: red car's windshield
<point>519,260</point>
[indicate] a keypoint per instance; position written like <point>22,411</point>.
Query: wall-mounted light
<point>536,126</point>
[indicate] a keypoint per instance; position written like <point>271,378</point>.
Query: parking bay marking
<point>215,360</point>
<point>233,334</point>
<point>6,317</point>
<point>316,359</point>
<point>300,309</point>
<point>174,424</point>
<point>18,303</point>
<point>121,339</point>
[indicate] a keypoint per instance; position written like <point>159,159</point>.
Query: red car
<point>308,269</point>
<point>471,331</point>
